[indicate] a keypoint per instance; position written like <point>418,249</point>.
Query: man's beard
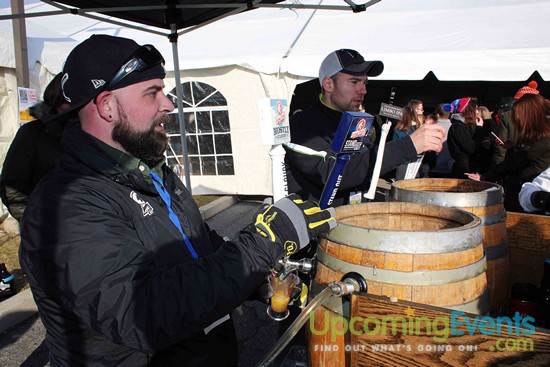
<point>148,146</point>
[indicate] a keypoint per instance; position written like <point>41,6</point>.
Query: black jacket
<point>521,164</point>
<point>315,128</point>
<point>113,281</point>
<point>33,152</point>
<point>466,148</point>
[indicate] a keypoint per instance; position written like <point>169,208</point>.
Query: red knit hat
<point>531,88</point>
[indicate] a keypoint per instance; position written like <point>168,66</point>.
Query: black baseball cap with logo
<point>103,63</point>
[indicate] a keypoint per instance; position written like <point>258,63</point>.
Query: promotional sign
<point>350,135</point>
<point>27,98</point>
<point>352,130</point>
<point>391,111</point>
<point>274,124</point>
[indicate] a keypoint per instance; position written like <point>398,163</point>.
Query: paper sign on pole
<point>274,124</point>
<point>27,98</point>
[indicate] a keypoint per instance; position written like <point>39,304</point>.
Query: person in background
<point>123,269</point>
<point>534,197</point>
<point>418,107</point>
<point>373,136</point>
<point>484,112</point>
<point>408,124</point>
<point>430,119</point>
<point>34,150</point>
<point>343,76</point>
<point>465,137</point>
<point>487,141</point>
<point>430,157</point>
<point>506,132</point>
<point>530,154</point>
<point>503,105</point>
<point>444,163</point>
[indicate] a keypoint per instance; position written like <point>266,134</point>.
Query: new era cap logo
<point>64,79</point>
<point>98,83</point>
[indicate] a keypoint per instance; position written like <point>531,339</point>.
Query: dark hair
<point>469,113</point>
<point>53,98</point>
<point>443,110</point>
<point>406,122</point>
<point>53,94</point>
<point>415,103</point>
<point>531,114</point>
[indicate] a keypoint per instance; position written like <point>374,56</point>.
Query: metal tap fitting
<point>288,266</point>
<point>341,288</point>
<point>350,283</point>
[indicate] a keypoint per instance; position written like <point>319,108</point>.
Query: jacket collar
<point>85,148</point>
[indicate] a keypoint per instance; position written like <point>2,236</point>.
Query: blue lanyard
<point>173,217</point>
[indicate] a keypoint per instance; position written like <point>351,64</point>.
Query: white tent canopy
<point>457,40</point>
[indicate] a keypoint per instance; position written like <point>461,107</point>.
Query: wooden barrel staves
<point>483,199</point>
<point>422,253</point>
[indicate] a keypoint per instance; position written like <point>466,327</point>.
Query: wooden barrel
<point>483,199</point>
<point>423,253</point>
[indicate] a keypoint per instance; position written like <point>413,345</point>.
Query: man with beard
<point>121,265</point>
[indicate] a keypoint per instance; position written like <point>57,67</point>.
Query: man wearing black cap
<point>343,76</point>
<point>122,267</point>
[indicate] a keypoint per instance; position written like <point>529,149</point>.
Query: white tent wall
<point>47,51</point>
<point>8,109</point>
<point>242,88</point>
<point>9,113</point>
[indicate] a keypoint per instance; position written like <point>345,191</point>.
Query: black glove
<point>541,200</point>
<point>294,222</point>
<point>264,292</point>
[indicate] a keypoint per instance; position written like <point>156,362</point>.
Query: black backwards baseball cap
<point>105,62</point>
<point>349,62</point>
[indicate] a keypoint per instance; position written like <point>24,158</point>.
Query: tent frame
<point>233,8</point>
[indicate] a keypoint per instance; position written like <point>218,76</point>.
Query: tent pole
<point>179,92</point>
<point>20,42</point>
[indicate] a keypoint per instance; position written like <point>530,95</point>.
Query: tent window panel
<point>208,165</point>
<point>206,144</point>
<point>186,95</point>
<point>216,99</point>
<point>174,148</point>
<point>173,126</point>
<point>174,99</point>
<point>223,143</point>
<point>225,165</point>
<point>192,144</point>
<point>189,121</point>
<point>172,161</point>
<point>204,125</point>
<point>195,165</point>
<point>201,92</point>
<point>220,121</point>
<point>207,128</point>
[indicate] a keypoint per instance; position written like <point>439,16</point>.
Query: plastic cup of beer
<point>282,289</point>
